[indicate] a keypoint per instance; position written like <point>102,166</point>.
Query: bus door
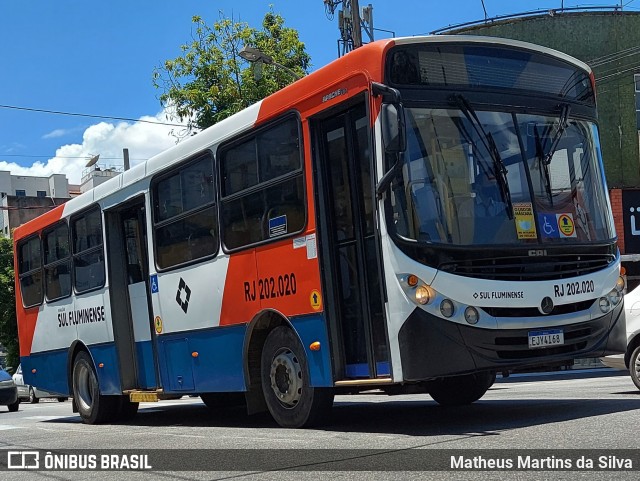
<point>352,275</point>
<point>129,274</point>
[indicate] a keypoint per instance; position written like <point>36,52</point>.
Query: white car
<point>31,393</point>
<point>631,359</point>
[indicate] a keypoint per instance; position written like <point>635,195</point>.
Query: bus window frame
<point>46,231</point>
<point>22,275</point>
<point>157,224</point>
<point>72,219</point>
<point>261,186</point>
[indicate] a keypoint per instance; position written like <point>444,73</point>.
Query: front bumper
<point>8,395</point>
<point>432,347</point>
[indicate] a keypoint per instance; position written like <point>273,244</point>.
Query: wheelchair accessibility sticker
<point>557,226</point>
<point>154,284</point>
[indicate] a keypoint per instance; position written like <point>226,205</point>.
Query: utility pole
<point>351,23</point>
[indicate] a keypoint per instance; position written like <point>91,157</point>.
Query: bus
<point>414,217</point>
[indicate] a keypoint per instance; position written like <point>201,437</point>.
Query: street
<point>594,410</point>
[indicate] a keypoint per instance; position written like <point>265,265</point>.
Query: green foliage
<point>8,324</point>
<point>210,82</point>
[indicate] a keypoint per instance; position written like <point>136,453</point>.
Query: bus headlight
<point>604,304</point>
<point>471,315</point>
<point>447,308</point>
<point>424,294</point>
<point>615,296</point>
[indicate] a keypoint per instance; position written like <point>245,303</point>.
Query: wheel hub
<point>84,387</point>
<point>286,378</point>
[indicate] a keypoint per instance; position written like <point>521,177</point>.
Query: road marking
<point>6,427</point>
<point>42,418</point>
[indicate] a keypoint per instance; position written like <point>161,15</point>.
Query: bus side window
<point>188,232</point>
<point>88,253</point>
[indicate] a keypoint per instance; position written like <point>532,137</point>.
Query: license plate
<point>551,337</point>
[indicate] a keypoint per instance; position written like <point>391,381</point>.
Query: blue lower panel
<point>50,371</point>
<point>146,369</point>
<point>311,329</point>
<point>108,374</point>
<point>202,361</point>
<point>362,370</point>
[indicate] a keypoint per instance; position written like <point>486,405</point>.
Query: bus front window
<point>491,181</point>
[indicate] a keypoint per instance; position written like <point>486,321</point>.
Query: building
<point>608,40</point>
<point>23,197</point>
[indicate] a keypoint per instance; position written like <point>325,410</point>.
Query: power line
<point>76,114</point>
<point>62,157</point>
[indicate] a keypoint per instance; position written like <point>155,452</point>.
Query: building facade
<point>23,197</point>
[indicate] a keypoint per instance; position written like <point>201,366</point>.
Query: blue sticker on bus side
<point>154,284</point>
<point>278,226</point>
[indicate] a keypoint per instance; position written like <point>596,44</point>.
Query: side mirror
<point>393,128</point>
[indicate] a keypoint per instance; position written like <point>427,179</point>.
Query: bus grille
<point>527,268</point>
<point>534,312</point>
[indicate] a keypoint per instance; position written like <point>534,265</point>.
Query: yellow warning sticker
<point>158,323</point>
<point>525,225</point>
<point>315,299</point>
<point>566,225</point>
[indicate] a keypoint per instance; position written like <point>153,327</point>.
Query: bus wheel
<point>634,366</point>
<point>93,407</point>
<point>461,390</point>
<point>285,382</point>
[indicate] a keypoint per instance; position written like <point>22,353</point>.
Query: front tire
<point>93,407</point>
<point>461,390</point>
<point>291,400</point>
<point>14,407</point>
<point>634,366</point>
<point>32,396</point>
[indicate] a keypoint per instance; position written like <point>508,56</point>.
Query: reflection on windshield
<point>449,191</point>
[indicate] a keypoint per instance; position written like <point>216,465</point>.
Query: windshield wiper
<point>562,127</point>
<point>544,166</point>
<point>499,169</point>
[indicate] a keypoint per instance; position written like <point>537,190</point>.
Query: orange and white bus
<point>415,216</point>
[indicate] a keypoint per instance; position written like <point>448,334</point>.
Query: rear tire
<point>93,407</point>
<point>292,402</point>
<point>461,390</point>
<point>32,396</point>
<point>14,407</point>
<point>634,366</point>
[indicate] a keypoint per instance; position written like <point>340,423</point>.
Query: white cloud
<point>56,133</point>
<point>143,140</point>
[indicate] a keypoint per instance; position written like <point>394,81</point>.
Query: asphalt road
<point>595,411</point>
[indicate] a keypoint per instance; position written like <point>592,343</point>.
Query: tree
<point>8,323</point>
<point>210,82</point>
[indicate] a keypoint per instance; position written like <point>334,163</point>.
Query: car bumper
<point>8,395</point>
<point>431,347</point>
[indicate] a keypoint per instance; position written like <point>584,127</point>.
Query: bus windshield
<point>495,178</point>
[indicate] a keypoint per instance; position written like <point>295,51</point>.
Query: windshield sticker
<point>278,226</point>
<point>548,226</point>
<point>526,227</point>
<point>566,225</point>
<point>557,226</point>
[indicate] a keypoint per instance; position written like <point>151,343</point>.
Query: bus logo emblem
<point>183,288</point>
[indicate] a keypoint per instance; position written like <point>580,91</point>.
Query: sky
<point>97,58</point>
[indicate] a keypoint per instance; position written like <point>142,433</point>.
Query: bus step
<point>143,396</point>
